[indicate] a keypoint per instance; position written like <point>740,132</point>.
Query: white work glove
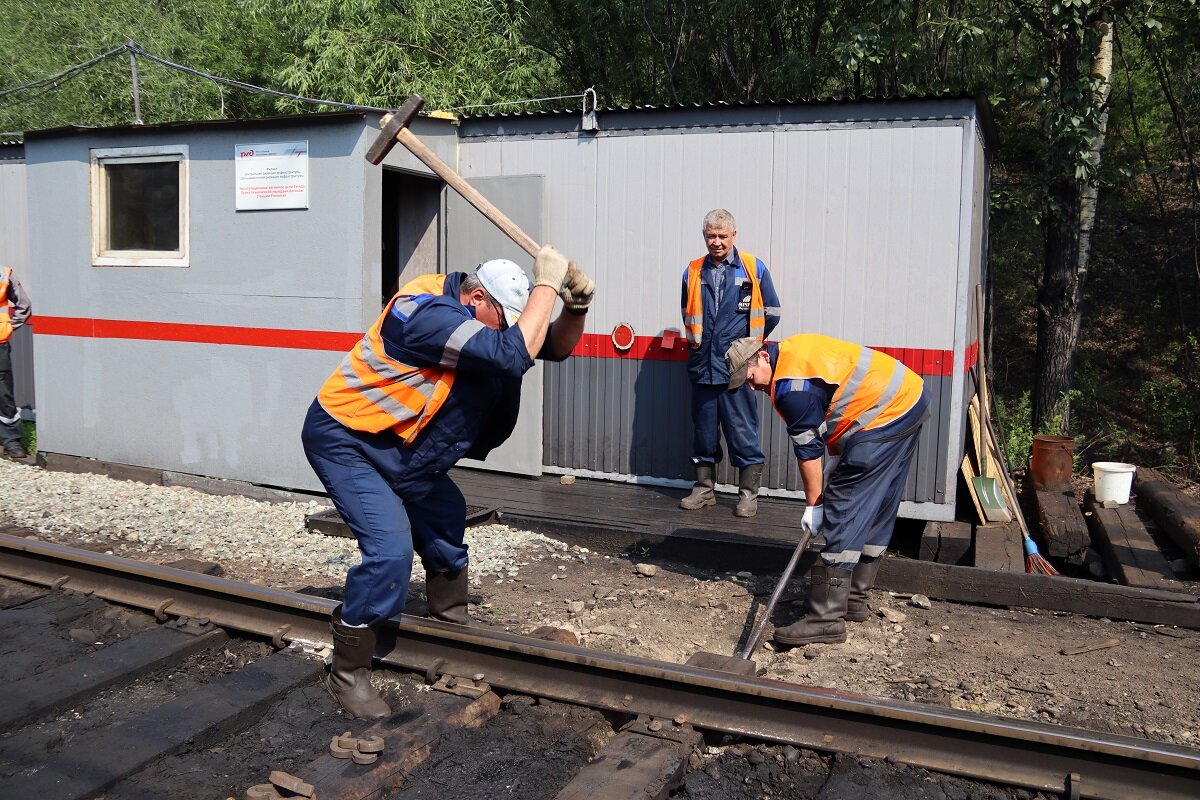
<point>550,268</point>
<point>578,290</point>
<point>813,519</point>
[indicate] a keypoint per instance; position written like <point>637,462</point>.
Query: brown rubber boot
<point>749,479</point>
<point>703,493</point>
<point>823,622</point>
<point>861,581</point>
<point>447,593</point>
<point>349,679</point>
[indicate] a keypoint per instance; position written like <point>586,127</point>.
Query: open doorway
<point>411,245</point>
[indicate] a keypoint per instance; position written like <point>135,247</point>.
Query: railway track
<point>620,710</point>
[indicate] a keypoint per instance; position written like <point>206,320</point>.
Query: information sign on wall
<point>271,175</point>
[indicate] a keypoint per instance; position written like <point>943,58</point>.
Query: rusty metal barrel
<point>1051,462</point>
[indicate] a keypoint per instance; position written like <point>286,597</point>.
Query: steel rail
<point>1078,763</point>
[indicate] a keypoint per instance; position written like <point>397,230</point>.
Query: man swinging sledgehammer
<point>436,378</point>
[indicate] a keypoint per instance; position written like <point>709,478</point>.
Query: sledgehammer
<point>395,129</point>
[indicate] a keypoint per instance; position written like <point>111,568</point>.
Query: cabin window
<point>140,206</point>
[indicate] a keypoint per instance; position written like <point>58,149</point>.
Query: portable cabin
<point>196,282</point>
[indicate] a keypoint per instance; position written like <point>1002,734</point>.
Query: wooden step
<point>1177,514</point>
<point>1064,530</point>
<point>1129,551</point>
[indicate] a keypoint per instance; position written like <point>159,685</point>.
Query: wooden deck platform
<point>609,517</point>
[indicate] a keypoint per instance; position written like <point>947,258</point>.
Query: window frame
<point>100,158</point>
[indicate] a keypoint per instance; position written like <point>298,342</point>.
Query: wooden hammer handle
<point>469,193</point>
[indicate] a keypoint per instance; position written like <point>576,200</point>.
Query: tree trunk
<point>1068,241</point>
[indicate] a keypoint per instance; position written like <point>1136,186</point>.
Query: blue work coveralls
<point>396,498</point>
<point>862,495</point>
<point>726,318</point>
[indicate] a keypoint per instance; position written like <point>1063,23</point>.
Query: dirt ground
<point>531,749</point>
<point>1021,663</point>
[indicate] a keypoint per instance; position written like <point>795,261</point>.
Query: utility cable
<point>136,49</point>
<point>66,74</point>
<point>250,87</point>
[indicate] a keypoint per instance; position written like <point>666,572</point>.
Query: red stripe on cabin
<point>201,334</point>
<point>929,363</point>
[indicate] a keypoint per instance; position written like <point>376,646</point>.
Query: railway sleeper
<point>101,758</point>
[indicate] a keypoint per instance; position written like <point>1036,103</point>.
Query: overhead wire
<point>56,80</point>
<point>66,74</point>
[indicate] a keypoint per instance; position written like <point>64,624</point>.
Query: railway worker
<point>15,309</point>
<point>436,378</point>
<point>865,407</point>
<point>727,295</point>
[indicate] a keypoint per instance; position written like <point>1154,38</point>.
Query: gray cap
<point>738,358</point>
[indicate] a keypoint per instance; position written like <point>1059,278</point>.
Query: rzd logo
<point>245,154</point>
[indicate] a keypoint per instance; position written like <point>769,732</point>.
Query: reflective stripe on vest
<point>6,328</point>
<point>370,391</point>
<point>873,389</point>
<point>693,313</point>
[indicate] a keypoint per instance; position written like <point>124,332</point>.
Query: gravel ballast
<point>142,519</point>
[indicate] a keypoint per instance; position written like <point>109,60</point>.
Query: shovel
<point>741,663</point>
<point>986,487</point>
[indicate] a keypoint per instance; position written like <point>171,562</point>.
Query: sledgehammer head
<point>392,124</point>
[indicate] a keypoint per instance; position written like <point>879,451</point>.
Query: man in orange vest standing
<point>727,295</point>
<point>866,407</point>
<point>436,378</point>
<point>15,309</point>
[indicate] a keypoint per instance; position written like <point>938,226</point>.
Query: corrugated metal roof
<point>632,111</point>
<point>11,139</point>
<point>248,122</point>
<point>830,99</point>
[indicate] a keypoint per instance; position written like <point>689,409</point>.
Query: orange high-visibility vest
<point>693,313</point>
<point>371,391</point>
<point>6,328</point>
<point>873,388</point>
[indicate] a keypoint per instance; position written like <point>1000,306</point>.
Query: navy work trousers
<point>863,494</point>
<point>715,410</point>
<point>358,470</point>
<point>10,417</point>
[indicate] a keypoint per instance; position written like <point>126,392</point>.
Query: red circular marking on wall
<point>623,336</point>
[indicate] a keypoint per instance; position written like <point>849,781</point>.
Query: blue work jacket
<point>730,319</point>
<point>481,410</point>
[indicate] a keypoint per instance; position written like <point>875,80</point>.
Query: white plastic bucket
<point>1113,481</point>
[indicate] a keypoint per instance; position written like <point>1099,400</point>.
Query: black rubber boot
<point>447,593</point>
<point>861,581</point>
<point>349,679</point>
<point>749,479</point>
<point>824,620</point>
<point>703,493</point>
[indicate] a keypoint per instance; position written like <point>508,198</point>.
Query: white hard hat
<point>508,285</point>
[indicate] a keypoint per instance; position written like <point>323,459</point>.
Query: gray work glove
<point>550,268</point>
<point>578,290</point>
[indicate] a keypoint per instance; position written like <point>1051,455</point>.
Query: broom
<point>1034,562</point>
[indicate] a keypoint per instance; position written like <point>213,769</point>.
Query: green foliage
<point>1016,430</point>
<point>377,52</point>
<point>216,36</point>
<point>1172,400</point>
<point>29,437</point>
